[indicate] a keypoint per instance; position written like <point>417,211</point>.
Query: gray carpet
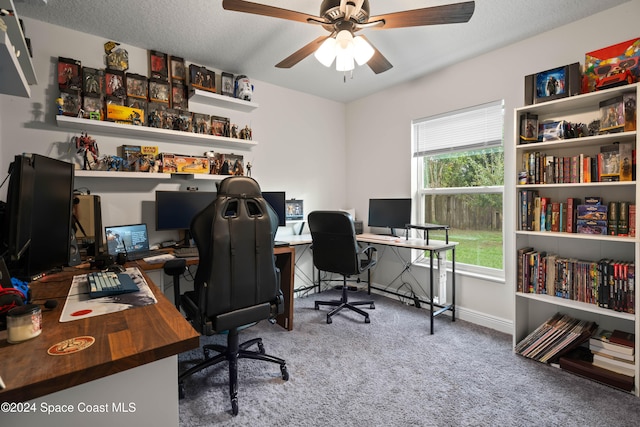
<point>391,372</point>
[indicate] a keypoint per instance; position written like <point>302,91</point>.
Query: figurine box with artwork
<point>69,74</point>
<point>93,81</point>
<point>201,123</point>
<point>92,107</point>
<point>137,86</point>
<point>612,66</point>
<point>228,164</point>
<point>612,115</point>
<point>158,66</point>
<point>158,91</point>
<point>71,102</point>
<point>179,98</point>
<point>115,85</point>
<point>125,115</point>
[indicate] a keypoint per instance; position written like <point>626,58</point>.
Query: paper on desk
<point>79,306</point>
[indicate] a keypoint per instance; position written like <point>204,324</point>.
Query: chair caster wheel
<point>366,320</point>
<point>260,348</point>
<point>317,306</point>
<point>234,406</point>
<point>180,391</point>
<point>372,306</point>
<point>329,320</point>
<point>285,372</point>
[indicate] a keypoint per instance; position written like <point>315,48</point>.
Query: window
<point>459,177</point>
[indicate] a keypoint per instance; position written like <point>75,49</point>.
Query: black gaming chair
<point>336,250</point>
<point>237,283</point>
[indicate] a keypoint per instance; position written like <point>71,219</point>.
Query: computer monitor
<point>277,201</point>
<point>39,205</point>
<point>389,213</point>
<point>176,209</point>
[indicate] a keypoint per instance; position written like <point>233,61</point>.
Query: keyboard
<point>102,284</point>
<point>186,252</point>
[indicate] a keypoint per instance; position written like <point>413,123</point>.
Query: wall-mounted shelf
<point>153,134</point>
<point>201,99</point>
<point>12,79</point>
<point>146,175</point>
<point>16,72</point>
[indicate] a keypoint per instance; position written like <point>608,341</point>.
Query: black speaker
<point>358,226</point>
<point>74,251</point>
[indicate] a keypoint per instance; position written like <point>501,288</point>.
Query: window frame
<point>421,191</point>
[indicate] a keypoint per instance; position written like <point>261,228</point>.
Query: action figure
<point>89,149</point>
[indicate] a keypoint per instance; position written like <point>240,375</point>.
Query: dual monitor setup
<point>39,221</point>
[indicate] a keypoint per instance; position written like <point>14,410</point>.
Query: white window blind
<point>474,127</point>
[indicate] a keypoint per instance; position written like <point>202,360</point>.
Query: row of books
<point>536,213</point>
<point>609,359</point>
<point>607,283</point>
<point>555,337</point>
<point>615,162</point>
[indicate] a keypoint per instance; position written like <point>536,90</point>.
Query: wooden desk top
<point>124,340</point>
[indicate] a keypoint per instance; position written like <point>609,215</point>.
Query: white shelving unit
<point>531,310</point>
<point>16,72</point>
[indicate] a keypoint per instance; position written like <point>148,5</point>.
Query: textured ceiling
<point>204,33</point>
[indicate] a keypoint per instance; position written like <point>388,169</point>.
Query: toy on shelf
<point>88,147</point>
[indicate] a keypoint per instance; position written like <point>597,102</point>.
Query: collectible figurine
<point>60,103</point>
<point>88,147</point>
<point>249,168</point>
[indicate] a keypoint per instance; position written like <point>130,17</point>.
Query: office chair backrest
<point>335,248</point>
<point>234,236</point>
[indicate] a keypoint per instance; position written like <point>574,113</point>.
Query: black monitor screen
<point>277,201</point>
<point>176,209</point>
<point>47,224</point>
<point>389,213</point>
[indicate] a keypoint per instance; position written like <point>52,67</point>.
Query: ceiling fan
<point>343,19</point>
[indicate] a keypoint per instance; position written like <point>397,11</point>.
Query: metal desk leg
<point>453,284</point>
<point>431,290</point>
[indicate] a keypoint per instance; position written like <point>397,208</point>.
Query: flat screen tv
<point>37,226</point>
<point>389,213</point>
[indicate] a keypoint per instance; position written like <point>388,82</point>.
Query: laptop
<point>133,240</point>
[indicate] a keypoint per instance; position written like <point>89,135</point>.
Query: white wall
<point>379,131</point>
<point>301,137</point>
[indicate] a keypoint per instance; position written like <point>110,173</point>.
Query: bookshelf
<point>533,308</point>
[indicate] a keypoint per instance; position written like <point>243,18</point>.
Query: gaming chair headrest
<point>244,186</point>
<point>239,186</point>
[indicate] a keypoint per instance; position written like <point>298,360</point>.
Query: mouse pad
<point>79,306</point>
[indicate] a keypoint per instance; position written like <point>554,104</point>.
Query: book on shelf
<point>627,369</point>
<point>612,218</point>
<point>632,220</point>
<point>601,340</point>
<point>579,362</point>
<point>572,212</point>
<point>626,364</point>
<point>623,219</point>
<point>610,354</point>
<point>544,203</point>
<point>626,339</point>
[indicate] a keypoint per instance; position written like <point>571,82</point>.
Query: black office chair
<point>336,250</point>
<point>237,283</point>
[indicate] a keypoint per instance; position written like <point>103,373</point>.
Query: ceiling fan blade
<point>447,14</point>
<point>275,12</point>
<point>378,63</point>
<point>302,53</point>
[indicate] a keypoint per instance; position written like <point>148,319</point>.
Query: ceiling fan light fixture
<point>344,60</point>
<point>363,51</point>
<point>326,53</point>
